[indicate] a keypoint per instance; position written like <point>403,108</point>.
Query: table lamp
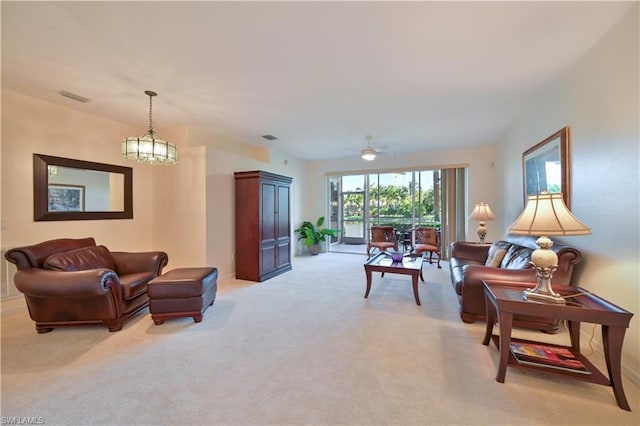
<point>482,212</point>
<point>545,215</point>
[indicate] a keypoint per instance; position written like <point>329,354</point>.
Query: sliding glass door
<point>353,201</point>
<point>405,200</point>
<point>427,199</point>
<point>391,200</point>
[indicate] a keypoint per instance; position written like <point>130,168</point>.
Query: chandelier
<point>149,148</point>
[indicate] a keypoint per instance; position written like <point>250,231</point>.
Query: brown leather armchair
<point>74,282</point>
<point>382,238</point>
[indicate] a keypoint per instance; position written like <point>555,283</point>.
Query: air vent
<point>74,96</point>
<point>269,137</point>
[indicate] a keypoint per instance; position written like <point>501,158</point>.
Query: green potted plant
<point>314,234</point>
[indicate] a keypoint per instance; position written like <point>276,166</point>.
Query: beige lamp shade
<point>544,215</point>
<point>482,212</point>
<point>547,214</point>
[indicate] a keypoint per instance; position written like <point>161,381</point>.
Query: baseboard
<point>627,371</point>
<point>12,304</point>
<point>229,276</point>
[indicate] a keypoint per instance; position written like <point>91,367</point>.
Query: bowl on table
<point>397,256</point>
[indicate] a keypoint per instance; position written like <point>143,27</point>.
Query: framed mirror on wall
<point>69,189</point>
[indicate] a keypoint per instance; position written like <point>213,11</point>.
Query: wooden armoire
<point>263,225</point>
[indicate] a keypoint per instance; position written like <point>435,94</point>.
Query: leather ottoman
<point>182,292</point>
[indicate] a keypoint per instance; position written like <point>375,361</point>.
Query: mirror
<point>68,189</point>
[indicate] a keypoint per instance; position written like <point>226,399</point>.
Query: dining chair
<point>428,240</point>
<point>382,238</point>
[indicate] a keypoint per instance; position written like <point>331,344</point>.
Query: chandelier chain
<point>150,114</point>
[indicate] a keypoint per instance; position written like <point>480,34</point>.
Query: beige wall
<point>31,126</point>
<point>479,160</point>
<point>179,208</point>
<point>216,238</point>
<point>186,210</point>
<point>598,98</point>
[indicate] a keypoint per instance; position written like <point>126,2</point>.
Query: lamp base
<point>482,232</point>
<point>543,292</point>
<point>543,298</point>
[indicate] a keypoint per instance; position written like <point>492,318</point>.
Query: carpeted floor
<point>302,348</point>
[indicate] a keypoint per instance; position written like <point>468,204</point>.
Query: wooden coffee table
<point>410,265</point>
<point>503,301</point>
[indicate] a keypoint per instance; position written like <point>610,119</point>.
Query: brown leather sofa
<point>467,265</point>
<point>74,282</point>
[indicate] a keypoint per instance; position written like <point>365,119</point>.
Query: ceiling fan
<point>369,153</point>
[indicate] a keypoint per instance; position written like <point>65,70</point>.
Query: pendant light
<point>149,148</point>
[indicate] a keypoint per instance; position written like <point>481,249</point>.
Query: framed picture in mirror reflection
<point>66,198</point>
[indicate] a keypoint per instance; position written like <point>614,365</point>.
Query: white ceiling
<point>317,75</point>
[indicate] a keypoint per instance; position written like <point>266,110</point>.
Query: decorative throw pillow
<point>495,256</point>
<point>82,259</point>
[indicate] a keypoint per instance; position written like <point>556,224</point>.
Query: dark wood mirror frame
<point>41,190</point>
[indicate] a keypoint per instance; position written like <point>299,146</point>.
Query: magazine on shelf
<point>547,356</point>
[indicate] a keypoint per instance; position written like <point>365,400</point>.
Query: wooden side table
<point>503,301</point>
